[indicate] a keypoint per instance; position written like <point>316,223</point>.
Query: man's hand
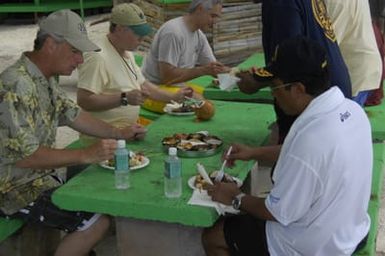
<point>247,84</point>
<point>136,97</point>
<point>238,152</point>
<point>100,151</point>
<point>215,68</point>
<point>222,192</point>
<point>134,132</point>
<point>182,93</point>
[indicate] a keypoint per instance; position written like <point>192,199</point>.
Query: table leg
<point>153,238</point>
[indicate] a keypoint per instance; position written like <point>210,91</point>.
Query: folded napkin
<point>227,82</point>
<point>200,197</point>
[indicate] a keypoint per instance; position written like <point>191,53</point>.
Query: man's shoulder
<point>14,73</point>
<point>172,26</point>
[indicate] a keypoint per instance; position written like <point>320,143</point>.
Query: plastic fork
<point>221,172</point>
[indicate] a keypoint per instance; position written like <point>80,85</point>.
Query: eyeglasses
<point>281,86</point>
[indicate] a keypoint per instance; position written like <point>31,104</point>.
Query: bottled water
<point>122,170</point>
<point>172,175</point>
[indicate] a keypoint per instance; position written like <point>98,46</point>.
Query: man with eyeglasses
<point>111,85</point>
<point>322,180</point>
<point>32,106</point>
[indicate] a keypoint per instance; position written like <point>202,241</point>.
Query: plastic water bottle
<point>172,175</point>
<point>122,168</point>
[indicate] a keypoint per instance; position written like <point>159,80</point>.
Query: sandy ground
<point>14,39</point>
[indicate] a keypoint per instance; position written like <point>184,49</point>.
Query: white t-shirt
<point>352,25</point>
<point>106,72</point>
<point>322,181</point>
<point>175,44</point>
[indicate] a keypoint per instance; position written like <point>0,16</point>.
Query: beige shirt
<point>106,72</point>
<point>353,28</point>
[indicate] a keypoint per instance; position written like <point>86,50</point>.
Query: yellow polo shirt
<point>108,73</point>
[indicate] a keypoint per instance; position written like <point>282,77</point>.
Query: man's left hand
<point>223,192</point>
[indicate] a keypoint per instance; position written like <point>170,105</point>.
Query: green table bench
<point>375,199</point>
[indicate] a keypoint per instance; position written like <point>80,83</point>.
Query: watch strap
<point>123,99</point>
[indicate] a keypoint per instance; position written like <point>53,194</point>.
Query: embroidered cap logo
<point>82,28</point>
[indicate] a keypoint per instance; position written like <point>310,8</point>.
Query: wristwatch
<point>123,99</point>
<point>237,201</point>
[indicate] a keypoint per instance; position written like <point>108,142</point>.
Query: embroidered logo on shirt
<point>320,14</point>
<point>344,116</point>
<point>262,72</point>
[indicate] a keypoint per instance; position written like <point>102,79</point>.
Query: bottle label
<point>121,162</point>
<point>172,170</point>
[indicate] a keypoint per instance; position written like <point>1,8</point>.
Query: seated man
<point>180,50</point>
<point>322,180</point>
<point>111,85</point>
<point>32,106</point>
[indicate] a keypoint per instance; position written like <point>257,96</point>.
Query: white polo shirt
<point>322,181</point>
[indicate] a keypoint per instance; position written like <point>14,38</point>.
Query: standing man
<point>283,19</point>
<point>352,24</point>
<point>111,85</point>
<point>32,106</point>
<point>322,180</point>
<point>180,50</point>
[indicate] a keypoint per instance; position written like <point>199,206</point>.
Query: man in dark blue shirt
<point>283,19</point>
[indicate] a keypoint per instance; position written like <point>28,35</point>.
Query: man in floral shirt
<point>32,106</point>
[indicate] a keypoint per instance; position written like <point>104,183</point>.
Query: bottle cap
<point>172,151</point>
<point>121,143</point>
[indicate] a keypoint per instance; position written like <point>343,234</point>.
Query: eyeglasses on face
<point>273,88</point>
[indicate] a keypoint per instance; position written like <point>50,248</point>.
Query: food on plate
<point>182,109</point>
<point>175,107</point>
<point>206,111</point>
<point>192,141</point>
<point>200,182</point>
<point>135,160</point>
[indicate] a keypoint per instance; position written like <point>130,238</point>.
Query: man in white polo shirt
<point>322,180</point>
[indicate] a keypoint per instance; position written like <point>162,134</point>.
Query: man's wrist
<point>123,99</point>
<point>237,201</point>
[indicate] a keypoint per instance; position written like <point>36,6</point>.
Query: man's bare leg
<point>213,240</point>
<point>80,243</point>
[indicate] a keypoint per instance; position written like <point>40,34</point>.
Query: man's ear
<point>50,44</point>
<point>199,8</point>
<point>299,88</point>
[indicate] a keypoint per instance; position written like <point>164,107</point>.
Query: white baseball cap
<point>69,26</point>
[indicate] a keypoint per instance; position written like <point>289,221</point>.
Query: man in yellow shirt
<point>111,85</point>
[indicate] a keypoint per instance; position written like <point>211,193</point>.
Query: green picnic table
<point>93,190</point>
<point>212,91</point>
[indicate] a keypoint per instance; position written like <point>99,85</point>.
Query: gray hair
<point>207,4</point>
<point>42,35</point>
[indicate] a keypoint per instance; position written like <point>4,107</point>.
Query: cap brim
<point>83,44</point>
<point>142,29</point>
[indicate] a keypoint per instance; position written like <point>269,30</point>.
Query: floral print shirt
<point>31,108</point>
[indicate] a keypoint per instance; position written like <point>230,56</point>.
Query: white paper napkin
<point>227,82</point>
<point>200,197</point>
